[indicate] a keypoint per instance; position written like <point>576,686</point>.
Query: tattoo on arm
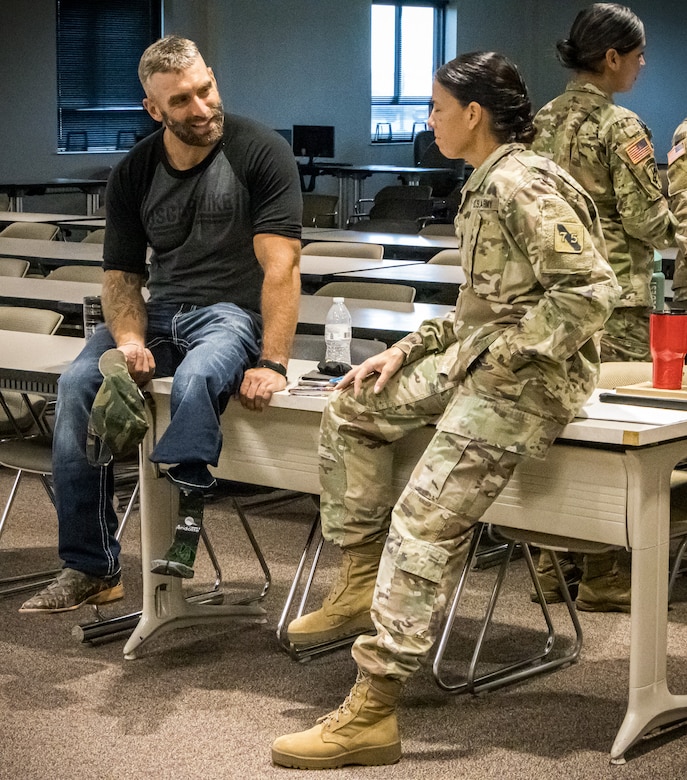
<point>123,304</point>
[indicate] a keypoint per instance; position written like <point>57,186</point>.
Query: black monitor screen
<point>313,141</point>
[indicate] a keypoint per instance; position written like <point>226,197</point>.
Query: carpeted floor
<point>206,702</point>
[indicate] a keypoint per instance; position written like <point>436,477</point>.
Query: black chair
<point>445,186</point>
<point>77,141</point>
<point>395,209</point>
<point>320,210</point>
<point>125,139</point>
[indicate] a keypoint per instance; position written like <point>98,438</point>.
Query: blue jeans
<point>206,349</point>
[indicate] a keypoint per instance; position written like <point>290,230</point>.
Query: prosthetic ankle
<point>179,559</point>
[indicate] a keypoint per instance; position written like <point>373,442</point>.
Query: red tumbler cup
<point>668,341</point>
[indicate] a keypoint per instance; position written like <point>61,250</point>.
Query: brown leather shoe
<point>71,590</point>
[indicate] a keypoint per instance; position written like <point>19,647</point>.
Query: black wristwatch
<point>278,367</point>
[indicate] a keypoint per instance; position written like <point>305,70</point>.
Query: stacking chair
<point>77,273</point>
<point>40,230</point>
<point>438,229</point>
<point>319,210</point>
<point>446,257</point>
<point>312,347</point>
<point>612,375</point>
<point>94,237</point>
<point>13,266</point>
<point>25,442</point>
<point>375,291</point>
<point>616,374</point>
<point>395,209</point>
<point>21,413</point>
<point>344,249</point>
<point>77,141</point>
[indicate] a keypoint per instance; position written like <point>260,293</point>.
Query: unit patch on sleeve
<point>567,238</point>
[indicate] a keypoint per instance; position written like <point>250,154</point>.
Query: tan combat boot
<point>346,609</point>
<point>362,731</point>
<point>603,588</point>
<point>546,575</point>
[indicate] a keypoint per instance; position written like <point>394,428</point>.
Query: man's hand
<point>385,364</point>
<point>257,387</point>
<point>139,361</point>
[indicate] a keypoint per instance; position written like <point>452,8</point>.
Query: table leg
<point>650,704</point>
<point>92,202</point>
<point>164,605</point>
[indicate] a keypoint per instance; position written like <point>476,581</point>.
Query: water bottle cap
<point>338,299</point>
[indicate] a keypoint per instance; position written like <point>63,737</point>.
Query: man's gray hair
<point>170,54</point>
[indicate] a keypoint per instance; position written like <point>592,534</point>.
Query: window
<point>99,44</point>
<point>407,47</point>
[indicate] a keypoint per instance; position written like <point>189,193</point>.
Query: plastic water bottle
<point>92,314</point>
<point>658,283</point>
<point>337,333</point>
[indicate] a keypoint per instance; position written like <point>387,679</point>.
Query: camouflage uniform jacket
<point>538,289</point>
<point>608,150</point>
<point>677,193</point>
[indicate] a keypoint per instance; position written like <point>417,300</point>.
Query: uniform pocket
<point>418,570</point>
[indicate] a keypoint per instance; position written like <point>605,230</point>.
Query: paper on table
<point>597,410</point>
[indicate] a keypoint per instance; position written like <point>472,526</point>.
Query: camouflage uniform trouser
<point>452,485</point>
<point>626,335</point>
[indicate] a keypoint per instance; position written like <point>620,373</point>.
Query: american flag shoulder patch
<point>639,149</point>
<point>676,152</point>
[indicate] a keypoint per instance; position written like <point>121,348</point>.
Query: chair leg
<point>312,550</point>
<point>520,670</point>
<point>23,583</point>
<point>131,503</point>
<point>258,553</point>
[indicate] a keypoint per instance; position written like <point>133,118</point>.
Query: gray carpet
<point>206,702</point>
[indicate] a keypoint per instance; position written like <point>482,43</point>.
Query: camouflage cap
<point>118,422</point>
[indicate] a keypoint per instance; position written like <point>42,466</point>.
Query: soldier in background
<point>500,378</point>
<point>677,195</point>
<point>608,150</point>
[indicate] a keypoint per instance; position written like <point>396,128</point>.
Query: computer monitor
<point>313,141</point>
<point>286,134</point>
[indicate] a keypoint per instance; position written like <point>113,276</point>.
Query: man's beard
<point>184,130</point>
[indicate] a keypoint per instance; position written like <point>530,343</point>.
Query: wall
<point>307,61</point>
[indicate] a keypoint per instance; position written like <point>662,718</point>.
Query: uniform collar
<point>586,86</point>
<point>479,174</point>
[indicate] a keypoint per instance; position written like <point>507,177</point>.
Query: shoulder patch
<point>676,152</point>
<point>567,238</point>
<point>639,149</point>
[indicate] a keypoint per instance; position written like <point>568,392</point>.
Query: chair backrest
<point>407,226</point>
<point>344,249</point>
<point>28,320</point>
<point>77,141</point>
<point>94,237</point>
<point>371,291</point>
<point>40,230</point>
<point>403,192</point>
<point>422,141</point>
<point>438,229</point>
<point>446,257</point>
<point>77,273</point>
<point>308,346</point>
<point>402,203</point>
<point>616,374</point>
<point>319,210</point>
<point>13,266</point>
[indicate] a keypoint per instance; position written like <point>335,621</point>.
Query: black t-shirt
<point>200,223</point>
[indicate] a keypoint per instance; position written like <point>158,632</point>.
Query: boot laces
<point>344,708</point>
